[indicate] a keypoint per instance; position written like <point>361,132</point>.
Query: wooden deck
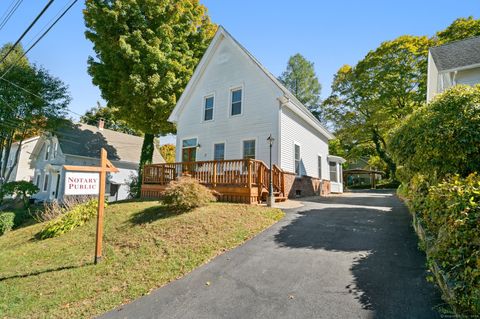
<point>239,181</point>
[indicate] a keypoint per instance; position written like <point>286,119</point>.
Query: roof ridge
<point>454,42</point>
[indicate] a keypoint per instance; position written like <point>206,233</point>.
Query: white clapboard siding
<point>312,144</point>
<point>229,68</point>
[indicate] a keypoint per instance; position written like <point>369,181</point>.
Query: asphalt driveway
<point>351,256</point>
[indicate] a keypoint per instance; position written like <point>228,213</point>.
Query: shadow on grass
<point>46,271</point>
<point>152,214</point>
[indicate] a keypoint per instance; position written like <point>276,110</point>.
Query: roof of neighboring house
<point>221,31</point>
<point>87,140</point>
<point>458,54</point>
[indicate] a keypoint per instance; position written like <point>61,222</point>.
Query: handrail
<point>241,172</point>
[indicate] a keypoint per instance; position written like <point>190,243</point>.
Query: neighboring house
<point>359,177</point>
<point>80,144</point>
<point>22,170</point>
<point>232,104</point>
<point>453,63</point>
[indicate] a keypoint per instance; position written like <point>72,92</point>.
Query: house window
<point>219,152</point>
<point>114,189</point>
<point>208,109</point>
<point>236,102</point>
<point>189,150</point>
<point>55,150</point>
<point>333,172</point>
<point>249,149</point>
<point>297,160</point>
<point>45,183</point>
<point>47,152</point>
<point>320,167</point>
<point>37,182</point>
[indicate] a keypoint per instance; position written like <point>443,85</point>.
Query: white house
<point>80,144</point>
<point>232,104</point>
<point>21,171</point>
<point>453,63</point>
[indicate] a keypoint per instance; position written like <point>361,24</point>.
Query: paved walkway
<point>350,256</point>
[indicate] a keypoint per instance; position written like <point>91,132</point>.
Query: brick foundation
<point>301,186</point>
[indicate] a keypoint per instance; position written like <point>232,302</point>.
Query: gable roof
<point>224,34</point>
<point>458,54</point>
<point>87,140</point>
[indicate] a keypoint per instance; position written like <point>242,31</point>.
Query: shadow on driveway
<point>390,276</point>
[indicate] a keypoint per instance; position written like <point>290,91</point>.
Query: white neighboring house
<point>80,144</point>
<point>453,63</point>
<point>232,104</point>
<point>22,170</point>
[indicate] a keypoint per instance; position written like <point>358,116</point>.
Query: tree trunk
<point>146,157</point>
<point>391,166</point>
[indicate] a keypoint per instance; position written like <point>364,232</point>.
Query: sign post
<point>91,182</point>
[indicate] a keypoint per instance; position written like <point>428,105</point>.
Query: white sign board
<point>81,183</point>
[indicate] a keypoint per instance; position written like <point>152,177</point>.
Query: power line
<point>9,12</point>
<point>27,30</point>
<point>41,36</point>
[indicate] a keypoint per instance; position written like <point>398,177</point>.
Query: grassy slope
<point>145,247</point>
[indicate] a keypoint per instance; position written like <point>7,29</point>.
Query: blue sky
<point>329,33</point>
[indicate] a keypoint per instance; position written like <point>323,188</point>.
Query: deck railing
<point>239,173</point>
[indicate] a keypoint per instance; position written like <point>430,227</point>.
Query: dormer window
<point>236,102</point>
<point>47,152</point>
<point>208,108</point>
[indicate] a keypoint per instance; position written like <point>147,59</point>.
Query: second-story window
<point>208,108</point>
<point>236,102</point>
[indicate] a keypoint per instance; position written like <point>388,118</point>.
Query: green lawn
<point>145,247</point>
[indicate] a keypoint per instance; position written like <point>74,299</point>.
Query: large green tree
<point>372,97</point>
<point>31,102</point>
<point>107,114</point>
<point>146,52</point>
<point>301,80</point>
<point>460,29</point>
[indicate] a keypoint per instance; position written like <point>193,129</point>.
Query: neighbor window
<point>219,152</point>
<point>236,102</point>
<point>297,159</point>
<point>208,109</point>
<point>47,152</point>
<point>320,167</point>
<point>37,182</point>
<point>249,149</point>
<point>45,182</point>
<point>333,172</point>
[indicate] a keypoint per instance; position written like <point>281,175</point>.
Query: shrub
<point>6,222</point>
<point>54,209</point>
<point>73,218</point>
<point>442,137</point>
<point>23,189</point>
<point>450,214</point>
<point>186,194</point>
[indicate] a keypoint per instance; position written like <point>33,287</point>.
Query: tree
<point>301,80</point>
<point>31,101</point>
<point>107,114</point>
<point>146,52</point>
<point>460,29</point>
<point>442,137</point>
<point>23,189</point>
<point>371,98</point>
<point>168,153</point>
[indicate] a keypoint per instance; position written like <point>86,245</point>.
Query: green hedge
<point>450,215</point>
<point>6,222</point>
<point>72,219</point>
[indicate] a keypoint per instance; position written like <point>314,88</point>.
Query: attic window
<point>208,110</point>
<point>236,102</point>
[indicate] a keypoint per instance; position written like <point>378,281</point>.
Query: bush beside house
<point>437,150</point>
<point>6,222</point>
<point>186,194</point>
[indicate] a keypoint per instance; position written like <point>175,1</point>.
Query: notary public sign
<point>77,183</point>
